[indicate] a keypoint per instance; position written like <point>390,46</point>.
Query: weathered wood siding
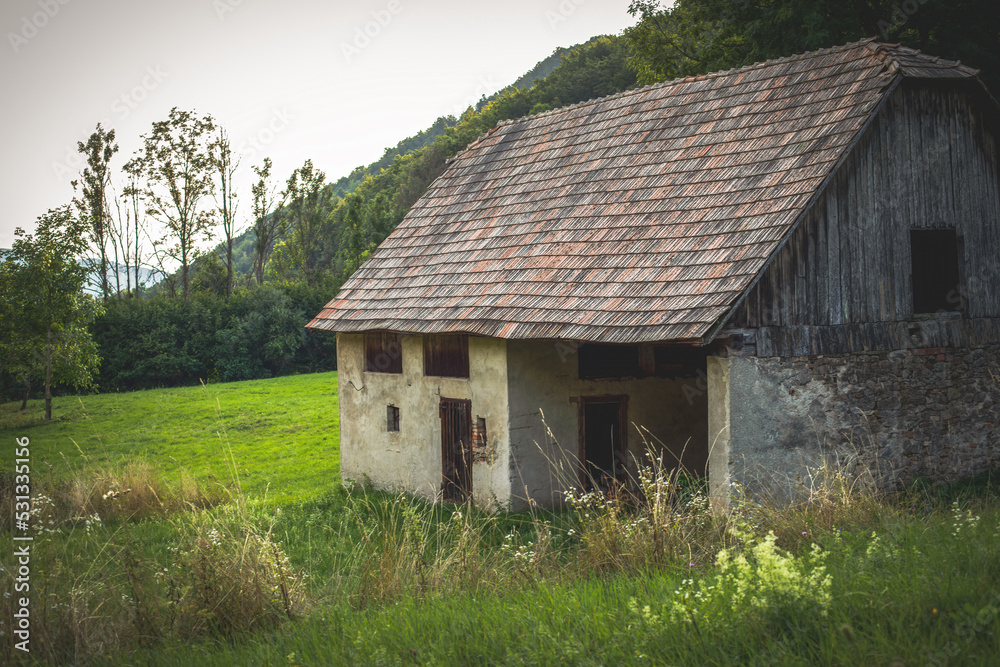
<point>928,160</point>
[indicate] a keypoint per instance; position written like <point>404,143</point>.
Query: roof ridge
<point>695,77</point>
<point>663,84</point>
<point>890,50</point>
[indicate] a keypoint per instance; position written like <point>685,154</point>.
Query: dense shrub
<point>258,333</point>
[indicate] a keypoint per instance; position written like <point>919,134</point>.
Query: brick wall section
<point>929,413</point>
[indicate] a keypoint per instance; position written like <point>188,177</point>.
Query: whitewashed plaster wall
<point>410,460</point>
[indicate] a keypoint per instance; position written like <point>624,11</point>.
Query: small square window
<point>392,419</point>
<point>479,438</point>
<point>934,270</point>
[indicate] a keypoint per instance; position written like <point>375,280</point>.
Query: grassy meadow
<point>207,526</point>
<point>282,433</point>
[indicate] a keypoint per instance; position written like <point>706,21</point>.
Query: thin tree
<point>176,163</point>
<point>269,223</point>
<point>135,219</point>
<point>93,205</point>
<point>225,167</point>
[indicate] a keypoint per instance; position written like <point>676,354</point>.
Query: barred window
<point>392,419</point>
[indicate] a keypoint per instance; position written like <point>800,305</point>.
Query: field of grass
<point>283,433</point>
<point>317,574</point>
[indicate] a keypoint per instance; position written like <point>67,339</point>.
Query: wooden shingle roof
<point>639,217</point>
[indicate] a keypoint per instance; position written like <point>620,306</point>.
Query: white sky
<point>274,73</point>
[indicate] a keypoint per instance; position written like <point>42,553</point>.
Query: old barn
<point>747,272</point>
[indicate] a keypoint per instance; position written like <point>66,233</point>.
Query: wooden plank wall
<point>929,160</point>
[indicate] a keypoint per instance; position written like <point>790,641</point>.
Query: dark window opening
<point>383,353</point>
<point>392,419</point>
<point>934,270</point>
<point>446,356</point>
<point>598,360</point>
<point>672,361</point>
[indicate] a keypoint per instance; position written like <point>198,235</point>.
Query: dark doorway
<point>456,449</point>
<point>602,441</point>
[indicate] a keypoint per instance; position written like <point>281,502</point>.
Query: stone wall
<point>902,415</point>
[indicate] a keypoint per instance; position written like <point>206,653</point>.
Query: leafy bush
<point>263,333</point>
<point>258,333</point>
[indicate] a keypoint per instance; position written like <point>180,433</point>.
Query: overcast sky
<point>336,82</point>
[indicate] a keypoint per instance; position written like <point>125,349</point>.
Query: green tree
<point>699,36</point>
<point>46,312</point>
<point>176,163</point>
<point>269,221</point>
<point>264,332</point>
<point>305,252</point>
<point>96,177</point>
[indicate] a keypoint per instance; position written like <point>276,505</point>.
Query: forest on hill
<point>237,310</point>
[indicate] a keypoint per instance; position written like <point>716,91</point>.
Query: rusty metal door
<point>456,449</point>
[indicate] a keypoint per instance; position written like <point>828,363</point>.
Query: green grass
<point>856,578</point>
<point>927,591</point>
<point>283,432</point>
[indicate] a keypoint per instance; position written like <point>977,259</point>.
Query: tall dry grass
<point>105,580</point>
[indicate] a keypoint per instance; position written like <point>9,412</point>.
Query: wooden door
<point>602,421</point>
<point>456,449</point>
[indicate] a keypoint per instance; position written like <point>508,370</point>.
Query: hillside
<point>363,207</point>
<point>347,184</point>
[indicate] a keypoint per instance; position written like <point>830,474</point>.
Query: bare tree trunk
<point>27,392</point>
<point>184,268</point>
<point>229,266</point>
<point>138,243</point>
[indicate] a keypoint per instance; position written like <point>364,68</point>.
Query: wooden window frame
<point>383,352</point>
<point>446,355</point>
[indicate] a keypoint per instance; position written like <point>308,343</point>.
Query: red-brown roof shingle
<point>638,217</point>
